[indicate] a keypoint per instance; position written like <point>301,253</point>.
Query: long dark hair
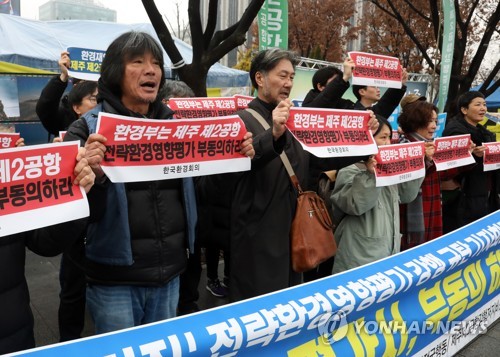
<point>121,50</point>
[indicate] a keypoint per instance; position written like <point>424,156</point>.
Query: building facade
<point>76,10</point>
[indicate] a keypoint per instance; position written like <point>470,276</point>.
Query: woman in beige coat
<point>369,229</point>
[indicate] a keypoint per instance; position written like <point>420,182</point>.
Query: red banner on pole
<point>148,149</point>
<point>376,70</point>
<point>452,151</point>
<point>37,187</point>
<point>332,132</point>
<point>399,163</point>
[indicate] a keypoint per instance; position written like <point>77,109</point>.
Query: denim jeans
<point>117,307</point>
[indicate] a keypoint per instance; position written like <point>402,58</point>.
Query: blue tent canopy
<point>38,44</point>
<point>493,100</point>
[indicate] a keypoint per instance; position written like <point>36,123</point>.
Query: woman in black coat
<point>478,190</point>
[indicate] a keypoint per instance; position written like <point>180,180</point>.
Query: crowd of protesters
<point>127,261</point>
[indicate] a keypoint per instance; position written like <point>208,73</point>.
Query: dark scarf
<point>478,134</point>
<point>415,224</point>
<point>268,106</point>
<point>113,104</point>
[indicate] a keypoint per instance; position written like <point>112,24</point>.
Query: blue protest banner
<point>85,63</point>
<point>441,123</point>
<point>430,300</point>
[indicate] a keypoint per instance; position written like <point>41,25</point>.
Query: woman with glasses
<point>83,97</point>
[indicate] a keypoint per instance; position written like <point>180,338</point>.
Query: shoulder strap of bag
<point>283,156</point>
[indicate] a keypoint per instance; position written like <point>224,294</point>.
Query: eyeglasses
<point>91,98</point>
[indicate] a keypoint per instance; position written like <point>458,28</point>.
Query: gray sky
<point>128,12</point>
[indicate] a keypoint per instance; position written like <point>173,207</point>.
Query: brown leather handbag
<point>311,234</point>
<point>312,240</point>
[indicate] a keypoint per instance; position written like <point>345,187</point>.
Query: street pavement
<point>43,281</point>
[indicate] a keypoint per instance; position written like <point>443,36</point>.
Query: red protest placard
<point>395,137</point>
<point>399,163</point>
<point>62,133</point>
<point>376,70</point>
<point>8,140</point>
<point>37,187</point>
<point>242,101</point>
<point>148,149</point>
<point>202,107</point>
<point>332,132</point>
<point>452,151</point>
<point>491,158</point>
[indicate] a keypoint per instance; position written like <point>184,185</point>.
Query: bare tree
<point>383,34</point>
<point>209,45</point>
<point>181,30</point>
<point>320,29</point>
<point>476,26</point>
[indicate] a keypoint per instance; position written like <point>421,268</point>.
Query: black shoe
<point>216,288</point>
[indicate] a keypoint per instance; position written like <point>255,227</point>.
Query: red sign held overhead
<point>376,70</point>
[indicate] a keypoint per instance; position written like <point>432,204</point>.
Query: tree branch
<point>485,41</point>
<point>236,34</point>
<point>162,31</point>
<point>471,13</point>
<point>411,34</point>
<point>196,29</point>
<point>434,8</point>
<point>211,23</point>
<point>377,4</point>
<point>417,11</point>
<point>484,88</point>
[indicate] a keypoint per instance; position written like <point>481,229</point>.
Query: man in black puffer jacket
<point>139,232</point>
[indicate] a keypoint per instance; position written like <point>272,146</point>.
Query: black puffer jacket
<point>330,96</point>
<point>16,318</point>
<point>53,109</point>
<point>214,215</point>
<point>156,217</point>
<point>480,188</point>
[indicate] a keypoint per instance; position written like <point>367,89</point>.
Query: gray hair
<point>266,60</point>
<point>175,89</point>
